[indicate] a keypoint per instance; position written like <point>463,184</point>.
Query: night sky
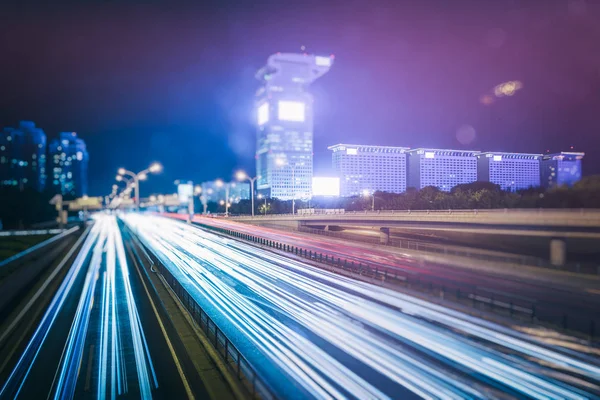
<point>174,81</point>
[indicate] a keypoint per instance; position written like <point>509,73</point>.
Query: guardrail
<point>518,307</point>
<point>234,359</point>
<point>38,246</point>
<point>31,232</point>
<point>543,211</point>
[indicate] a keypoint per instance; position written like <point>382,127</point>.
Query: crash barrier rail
<point>514,306</point>
<point>237,364</point>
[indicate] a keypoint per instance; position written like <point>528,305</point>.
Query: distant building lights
<point>291,111</point>
<point>497,158</point>
<point>429,154</point>
<point>323,61</point>
<point>263,113</point>
<point>351,151</point>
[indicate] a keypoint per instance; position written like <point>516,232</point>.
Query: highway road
<point>312,333</point>
<point>100,336</point>
<point>552,302</point>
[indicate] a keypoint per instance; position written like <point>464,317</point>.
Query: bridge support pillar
<point>558,252</point>
<point>384,235</point>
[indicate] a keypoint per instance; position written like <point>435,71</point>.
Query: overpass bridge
<point>554,230</point>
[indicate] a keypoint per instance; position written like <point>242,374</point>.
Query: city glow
<point>263,113</point>
<point>325,186</point>
<point>291,111</point>
<point>185,192</point>
<point>122,171</point>
<point>142,177</point>
<point>219,183</point>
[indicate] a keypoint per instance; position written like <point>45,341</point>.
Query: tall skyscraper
<point>284,149</point>
<point>373,168</point>
<point>562,168</point>
<point>512,171</point>
<point>23,156</point>
<point>69,161</point>
<point>443,169</point>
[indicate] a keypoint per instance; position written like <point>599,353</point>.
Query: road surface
<point>312,333</point>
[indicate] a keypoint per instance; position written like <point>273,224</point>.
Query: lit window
<point>291,111</point>
<point>263,114</point>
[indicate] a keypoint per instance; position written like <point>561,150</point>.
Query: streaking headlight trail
<point>312,333</point>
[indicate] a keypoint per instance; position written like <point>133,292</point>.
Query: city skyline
<point>391,90</point>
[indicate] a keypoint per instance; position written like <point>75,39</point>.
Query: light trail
<point>311,332</point>
<point>120,335</point>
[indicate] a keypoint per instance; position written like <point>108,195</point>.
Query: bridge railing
<point>462,212</point>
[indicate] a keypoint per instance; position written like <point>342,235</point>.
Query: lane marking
<point>186,384</point>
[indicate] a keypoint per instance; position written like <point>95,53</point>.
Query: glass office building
<point>372,168</point>
<point>284,111</point>
<point>562,168</point>
<point>511,171</point>
<point>443,169</point>
<point>69,163</point>
<point>23,157</point>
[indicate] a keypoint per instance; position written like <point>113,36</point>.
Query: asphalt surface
<point>100,336</point>
<point>312,333</point>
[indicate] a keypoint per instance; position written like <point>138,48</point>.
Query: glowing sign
<point>185,191</point>
<point>291,111</point>
<point>497,158</point>
<point>323,61</point>
<point>325,186</point>
<point>429,154</point>
<point>263,113</point>
<point>352,152</point>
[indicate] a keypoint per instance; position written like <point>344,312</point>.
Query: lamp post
<point>283,163</point>
<point>241,175</point>
<point>154,168</point>
<point>221,184</point>
<point>367,193</point>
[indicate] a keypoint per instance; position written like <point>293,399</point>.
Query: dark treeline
<point>476,195</point>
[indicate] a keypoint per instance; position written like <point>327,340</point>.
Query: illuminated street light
<point>241,175</point>
<point>140,176</point>
<point>367,193</point>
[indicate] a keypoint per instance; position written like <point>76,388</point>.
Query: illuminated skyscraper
<point>562,168</point>
<point>23,156</point>
<point>284,149</point>
<point>69,163</point>
<point>511,171</point>
<point>373,168</point>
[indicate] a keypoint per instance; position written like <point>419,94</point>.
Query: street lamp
<point>241,175</point>
<point>140,176</point>
<point>283,163</point>
<point>367,193</point>
<point>227,201</point>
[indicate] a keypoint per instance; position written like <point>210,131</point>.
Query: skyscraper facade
<point>562,168</point>
<point>511,171</point>
<point>372,168</point>
<point>284,149</point>
<point>23,156</point>
<point>69,162</point>
<point>443,169</point>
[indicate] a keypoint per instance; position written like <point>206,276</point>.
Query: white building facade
<point>443,169</point>
<point>511,171</point>
<point>370,168</point>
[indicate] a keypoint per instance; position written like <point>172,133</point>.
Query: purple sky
<point>175,80</point>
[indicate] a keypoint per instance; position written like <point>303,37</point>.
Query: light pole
<point>367,193</point>
<point>154,168</point>
<point>241,175</point>
<point>220,184</point>
<point>283,163</point>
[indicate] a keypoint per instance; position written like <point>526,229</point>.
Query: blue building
<point>23,156</point>
<point>511,171</point>
<point>372,168</point>
<point>69,165</point>
<point>443,169</point>
<point>560,169</point>
<point>284,149</point>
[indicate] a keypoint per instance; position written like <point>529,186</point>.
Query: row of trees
<point>476,195</point>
